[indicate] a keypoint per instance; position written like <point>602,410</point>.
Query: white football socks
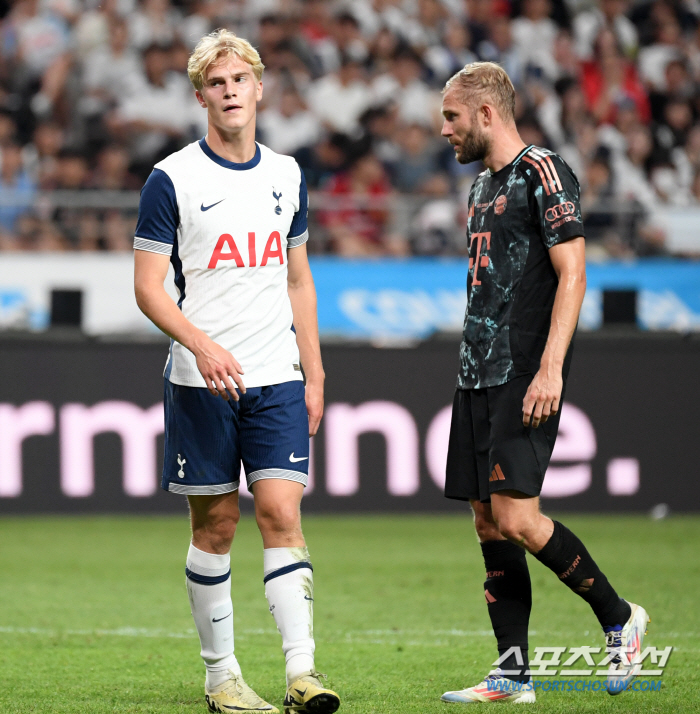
<point>209,590</point>
<point>289,588</point>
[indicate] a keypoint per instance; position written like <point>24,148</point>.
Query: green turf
<point>94,614</point>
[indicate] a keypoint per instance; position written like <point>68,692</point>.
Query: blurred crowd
<point>94,92</point>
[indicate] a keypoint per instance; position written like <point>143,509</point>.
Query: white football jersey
<point>227,228</point>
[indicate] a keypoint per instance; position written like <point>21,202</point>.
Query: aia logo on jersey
<point>273,249</point>
<point>559,211</point>
<point>278,208</point>
<point>499,207</point>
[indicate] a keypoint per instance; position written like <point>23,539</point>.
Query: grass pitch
<point>94,614</point>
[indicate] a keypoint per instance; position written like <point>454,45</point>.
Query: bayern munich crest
<point>499,206</point>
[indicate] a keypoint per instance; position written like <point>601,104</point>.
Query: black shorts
<point>490,449</point>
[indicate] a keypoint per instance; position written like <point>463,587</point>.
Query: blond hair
<point>217,45</point>
<point>484,81</point>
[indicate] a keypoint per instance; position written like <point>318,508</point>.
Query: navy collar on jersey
<point>230,164</point>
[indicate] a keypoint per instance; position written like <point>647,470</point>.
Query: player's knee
<point>512,529</point>
<point>279,518</point>
<point>216,532</point>
<point>485,528</point>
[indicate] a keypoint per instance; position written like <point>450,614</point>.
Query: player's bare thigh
<point>519,519</point>
<point>214,520</point>
<point>278,512</point>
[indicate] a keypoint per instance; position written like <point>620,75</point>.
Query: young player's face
<point>230,94</point>
<point>461,128</point>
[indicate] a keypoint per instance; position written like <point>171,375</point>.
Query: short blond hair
<point>217,45</point>
<point>484,81</point>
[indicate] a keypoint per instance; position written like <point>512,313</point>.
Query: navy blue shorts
<point>206,438</point>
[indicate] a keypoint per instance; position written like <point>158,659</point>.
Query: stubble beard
<point>475,147</point>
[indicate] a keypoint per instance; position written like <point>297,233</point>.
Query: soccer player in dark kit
<point>526,282</point>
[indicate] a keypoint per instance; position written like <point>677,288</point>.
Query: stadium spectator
<point>345,88</point>
<point>418,158</point>
<point>499,47</point>
<point>112,171</point>
<point>609,14</point>
<point>347,38</point>
<point>534,34</point>
<point>289,127</point>
<point>156,22</point>
<point>358,224</point>
<point>451,54</point>
<point>667,47</point>
<point>438,228</point>
<point>402,85</point>
<point>324,159</point>
<point>609,79</point>
<point>15,182</point>
<point>380,125</point>
<point>157,112</point>
<point>41,155</point>
<point>110,72</point>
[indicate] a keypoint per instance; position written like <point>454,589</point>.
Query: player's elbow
<point>140,293</point>
<point>573,277</point>
<point>143,292</point>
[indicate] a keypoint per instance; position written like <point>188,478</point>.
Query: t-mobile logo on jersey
<point>481,261</point>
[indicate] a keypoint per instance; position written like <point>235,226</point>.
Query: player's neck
<point>504,151</point>
<point>238,147</point>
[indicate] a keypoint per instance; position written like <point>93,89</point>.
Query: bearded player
<point>230,215</point>
<point>526,282</point>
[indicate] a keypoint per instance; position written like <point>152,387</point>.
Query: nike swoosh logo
<point>306,597</point>
<point>295,460</point>
<point>222,618</point>
<point>206,208</point>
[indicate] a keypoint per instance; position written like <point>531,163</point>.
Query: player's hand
<point>314,406</point>
<point>542,397</point>
<point>221,372</point>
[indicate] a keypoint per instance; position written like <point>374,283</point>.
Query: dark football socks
<point>509,598</point>
<point>568,558</point>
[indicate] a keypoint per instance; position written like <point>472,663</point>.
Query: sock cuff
<point>276,558</point>
<point>286,570</point>
<point>500,551</point>
<point>553,545</point>
<point>207,565</point>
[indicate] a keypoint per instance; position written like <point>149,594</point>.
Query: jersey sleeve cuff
<point>152,246</point>
<point>296,241</point>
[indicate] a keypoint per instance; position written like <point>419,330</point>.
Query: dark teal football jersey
<point>515,216</point>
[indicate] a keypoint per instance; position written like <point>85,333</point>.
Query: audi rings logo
<point>556,212</point>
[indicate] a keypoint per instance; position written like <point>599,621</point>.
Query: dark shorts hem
<point>490,449</point>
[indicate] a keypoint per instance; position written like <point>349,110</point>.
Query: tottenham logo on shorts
<point>559,211</point>
<point>278,208</point>
<point>181,462</point>
<point>499,207</point>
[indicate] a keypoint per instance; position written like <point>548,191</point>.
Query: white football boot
<point>627,639</point>
<point>494,688</point>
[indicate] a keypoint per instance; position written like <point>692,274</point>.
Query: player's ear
<point>200,98</point>
<point>259,91</point>
<point>486,114</point>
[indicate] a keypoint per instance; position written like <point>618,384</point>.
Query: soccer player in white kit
<point>231,217</point>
